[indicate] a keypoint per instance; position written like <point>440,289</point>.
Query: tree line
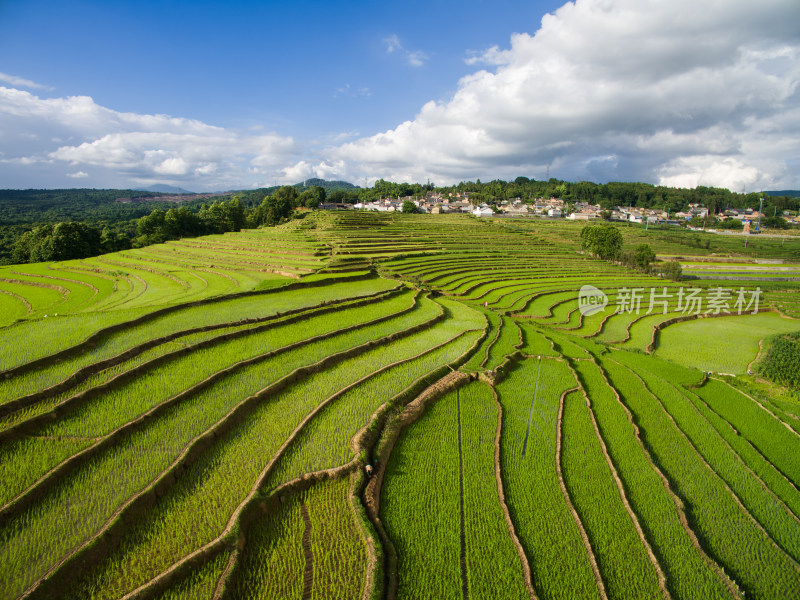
<point>68,240</point>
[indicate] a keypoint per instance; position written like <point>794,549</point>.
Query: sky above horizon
<point>212,96</point>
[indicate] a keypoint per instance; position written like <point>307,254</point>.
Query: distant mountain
<point>160,188</point>
<point>790,193</point>
<point>328,186</point>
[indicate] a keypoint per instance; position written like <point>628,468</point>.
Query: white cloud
<point>20,82</point>
<point>306,170</point>
<point>392,43</point>
<point>679,91</point>
<point>414,58</point>
<point>492,56</point>
<point>126,148</point>
<point>78,175</point>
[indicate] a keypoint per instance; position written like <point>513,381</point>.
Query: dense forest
<point>37,225</point>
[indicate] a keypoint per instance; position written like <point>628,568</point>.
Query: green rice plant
<point>507,343</point>
<point>621,555</point>
<point>546,528</point>
<point>12,308</point>
<point>78,291</point>
<point>30,339</point>
<point>421,503</point>
<point>590,325</point>
<point>227,311</point>
<point>748,556</point>
<point>535,343</point>
<point>200,583</point>
<point>766,471</point>
<point>201,502</point>
<point>542,306</point>
<point>721,344</point>
<point>41,299</point>
<point>481,355</point>
<point>309,545</point>
<point>159,286</point>
<point>688,575</point>
<point>615,328</point>
<point>769,435</point>
<point>672,372</point>
<point>326,442</point>
<point>106,375</point>
<point>124,402</point>
<point>566,345</point>
<point>80,504</point>
<point>778,522</point>
<point>486,530</point>
<point>780,401</point>
<point>641,330</point>
<point>563,314</point>
<point>24,460</point>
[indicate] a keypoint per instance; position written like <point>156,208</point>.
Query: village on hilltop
<point>549,208</point>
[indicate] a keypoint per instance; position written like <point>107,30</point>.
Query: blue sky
<point>213,95</point>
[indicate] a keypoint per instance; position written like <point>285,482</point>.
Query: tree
<point>730,224</point>
<point>273,210</point>
<point>643,256</point>
<point>671,270</point>
<point>409,207</point>
<point>215,218</point>
<point>64,241</point>
<point>312,197</point>
<point>776,223</point>
<point>287,195</point>
<point>604,241</point>
<point>151,224</point>
<point>180,223</point>
<point>235,213</point>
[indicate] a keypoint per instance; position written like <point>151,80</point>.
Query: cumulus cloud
<point>679,92</point>
<point>128,148</point>
<point>78,175</point>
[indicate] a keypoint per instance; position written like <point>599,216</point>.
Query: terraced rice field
<point>375,406</point>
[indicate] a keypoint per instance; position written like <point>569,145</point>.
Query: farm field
<point>722,345</point>
<point>360,405</point>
